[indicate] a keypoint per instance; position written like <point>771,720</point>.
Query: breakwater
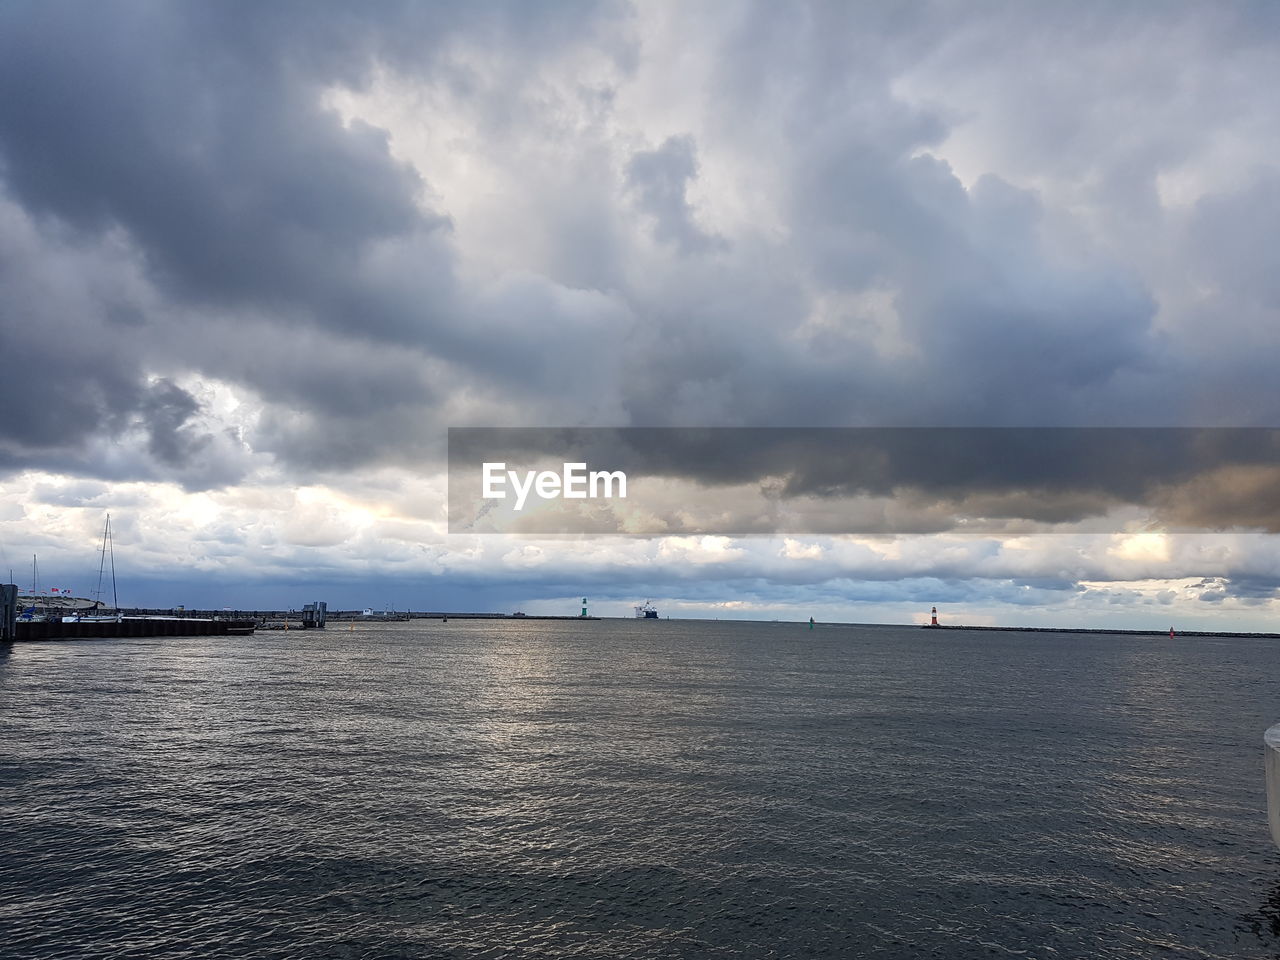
<point>1102,630</point>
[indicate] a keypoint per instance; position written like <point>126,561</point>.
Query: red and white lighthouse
<point>934,621</point>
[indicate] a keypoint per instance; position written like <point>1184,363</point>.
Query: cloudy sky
<point>256,258</point>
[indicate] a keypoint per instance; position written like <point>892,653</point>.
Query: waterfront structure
<point>8,612</point>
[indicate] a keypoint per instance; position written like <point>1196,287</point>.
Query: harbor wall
<point>141,627</point>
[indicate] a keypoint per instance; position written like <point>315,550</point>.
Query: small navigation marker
<point>811,623</point>
<point>1171,634</point>
<point>934,621</point>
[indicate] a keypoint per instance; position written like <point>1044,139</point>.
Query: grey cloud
<point>195,142</point>
<point>58,389</point>
<point>1227,322</point>
<point>1234,240</point>
<point>274,247</point>
<point>987,306</point>
<point>1212,591</point>
<point>219,161</point>
<point>988,313</point>
<point>1253,587</point>
<point>934,214</point>
<point>77,386</point>
<point>167,411</point>
<point>660,180</point>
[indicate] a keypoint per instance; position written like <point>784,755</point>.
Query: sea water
<point>619,789</point>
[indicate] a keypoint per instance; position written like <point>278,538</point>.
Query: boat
<point>56,604</point>
<point>96,613</point>
<point>646,611</point>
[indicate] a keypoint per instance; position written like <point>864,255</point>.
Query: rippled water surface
<point>637,789</point>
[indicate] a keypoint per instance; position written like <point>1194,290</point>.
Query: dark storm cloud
<point>78,395</point>
<point>217,163</point>
<point>180,201</point>
<point>195,138</point>
<point>200,134</point>
<point>200,129</point>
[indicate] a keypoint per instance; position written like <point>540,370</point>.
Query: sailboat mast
<point>115,597</point>
<point>102,563</point>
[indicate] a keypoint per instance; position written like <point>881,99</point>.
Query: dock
<point>177,622</point>
<point>181,622</point>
